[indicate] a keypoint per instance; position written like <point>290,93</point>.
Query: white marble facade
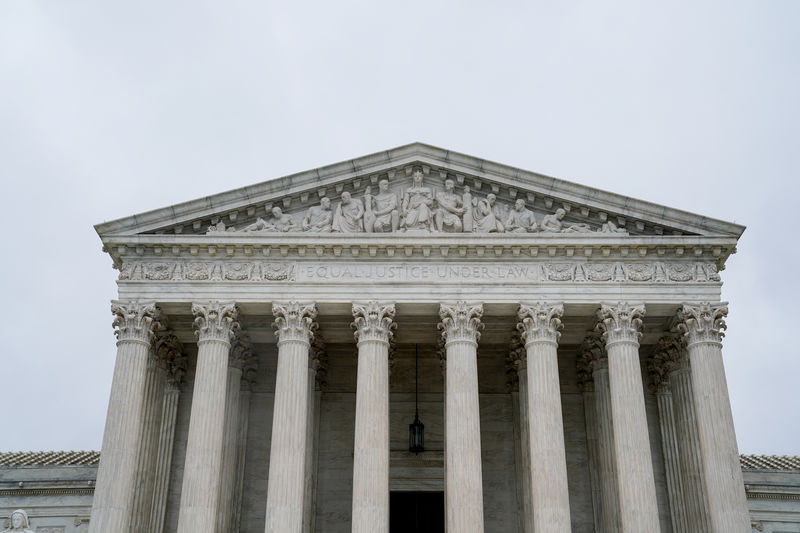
<point>571,373</point>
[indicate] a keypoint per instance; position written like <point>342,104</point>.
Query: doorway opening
<point>416,512</point>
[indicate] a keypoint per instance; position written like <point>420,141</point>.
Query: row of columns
<point>619,424</point>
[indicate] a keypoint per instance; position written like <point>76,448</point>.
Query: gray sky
<point>112,108</point>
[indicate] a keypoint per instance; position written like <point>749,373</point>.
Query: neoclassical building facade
<point>561,344</point>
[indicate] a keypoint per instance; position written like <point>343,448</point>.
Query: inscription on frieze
<point>411,272</point>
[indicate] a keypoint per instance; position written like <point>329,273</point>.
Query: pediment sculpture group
<point>420,210</point>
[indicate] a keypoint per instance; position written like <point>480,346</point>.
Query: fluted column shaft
<point>691,464</point>
<point>669,447</point>
<point>241,457</point>
<point>374,324</point>
<point>463,476</point>
<point>294,326</point>
<point>539,325</point>
<point>605,447</point>
<point>525,447</point>
<point>230,447</point>
<point>635,480</point>
<point>163,466</point>
<point>215,324</point>
<point>590,418</point>
<point>148,449</point>
<point>703,325</point>
<point>116,474</point>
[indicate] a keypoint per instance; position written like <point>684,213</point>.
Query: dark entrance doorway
<point>416,512</point>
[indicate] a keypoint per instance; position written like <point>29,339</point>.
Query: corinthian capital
<point>215,321</point>
<point>294,321</point>
<point>591,358</point>
<point>703,323</point>
<point>461,322</point>
<point>540,322</point>
<point>240,350</point>
<point>135,321</point>
<point>169,350</point>
<point>620,323</point>
<point>665,361</point>
<point>373,321</point>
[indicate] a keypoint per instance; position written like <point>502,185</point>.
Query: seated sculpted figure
<point>19,523</point>
<point>521,219</point>
<point>416,207</point>
<point>449,210</point>
<point>319,217</point>
<point>349,214</point>
<point>381,212</point>
<point>486,220</point>
<point>552,224</point>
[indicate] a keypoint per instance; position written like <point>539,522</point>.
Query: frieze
<point>400,272</point>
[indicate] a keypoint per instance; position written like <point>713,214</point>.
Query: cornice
<point>591,247</point>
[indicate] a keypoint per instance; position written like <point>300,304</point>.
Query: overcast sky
<point>108,109</point>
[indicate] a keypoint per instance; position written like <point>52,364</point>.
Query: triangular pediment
<point>403,191</point>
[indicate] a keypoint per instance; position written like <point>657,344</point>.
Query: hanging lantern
<point>416,430</point>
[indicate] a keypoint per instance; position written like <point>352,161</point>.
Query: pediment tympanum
<point>418,190</point>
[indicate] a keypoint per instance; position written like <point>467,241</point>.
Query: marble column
<point>294,327</point>
<point>148,447</point>
<point>170,350</point>
<point>249,372</point>
<point>240,351</point>
<point>691,463</point>
<point>316,372</point>
<point>702,326</point>
<point>374,323</point>
<point>116,475</point>
<point>460,326</point>
<point>539,327</point>
<point>659,368</point>
<point>621,325</point>
<point>586,386</point>
<point>215,323</point>
<point>594,353</point>
<point>519,361</point>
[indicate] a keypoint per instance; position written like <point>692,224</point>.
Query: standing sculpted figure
<point>521,219</point>
<point>19,523</point>
<point>349,215</point>
<point>381,213</point>
<point>449,211</point>
<point>486,220</point>
<point>319,217</point>
<point>417,202</point>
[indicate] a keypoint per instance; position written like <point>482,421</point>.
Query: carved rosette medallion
<point>294,321</point>
<point>621,323</point>
<point>215,321</point>
<point>703,323</point>
<point>540,323</point>
<point>135,321</point>
<point>373,321</point>
<point>461,322</point>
